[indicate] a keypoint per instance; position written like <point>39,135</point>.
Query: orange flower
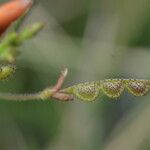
<point>11,11</point>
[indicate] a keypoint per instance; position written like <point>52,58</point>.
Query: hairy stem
<point>19,97</point>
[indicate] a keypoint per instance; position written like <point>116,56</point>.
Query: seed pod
<point>137,87</point>
<point>86,91</point>
<point>11,11</point>
<point>112,87</point>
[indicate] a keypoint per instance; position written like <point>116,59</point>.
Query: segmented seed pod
<point>11,11</point>
<point>86,91</point>
<point>112,87</point>
<point>137,87</point>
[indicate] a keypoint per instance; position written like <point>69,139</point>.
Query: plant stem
<point>45,94</point>
<point>19,97</point>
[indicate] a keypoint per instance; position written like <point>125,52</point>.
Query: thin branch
<point>19,97</point>
<point>36,96</point>
<point>43,95</point>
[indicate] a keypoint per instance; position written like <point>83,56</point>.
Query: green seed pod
<point>112,87</point>
<point>86,91</point>
<point>137,87</point>
<point>6,71</point>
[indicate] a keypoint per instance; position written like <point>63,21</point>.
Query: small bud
<point>6,71</point>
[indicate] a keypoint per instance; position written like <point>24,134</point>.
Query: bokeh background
<point>95,39</point>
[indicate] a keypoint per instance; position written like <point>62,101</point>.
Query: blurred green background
<point>95,39</point>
